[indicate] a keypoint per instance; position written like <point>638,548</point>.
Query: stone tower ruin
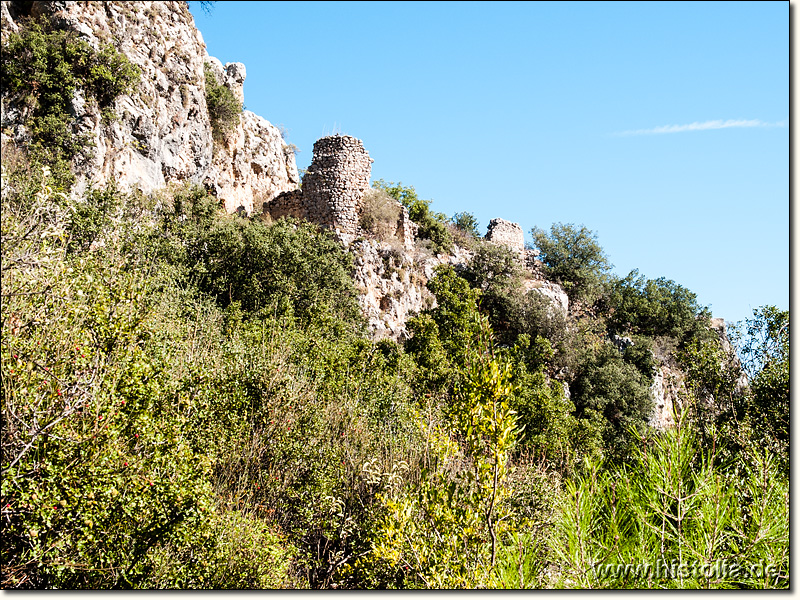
<point>508,234</point>
<point>332,189</point>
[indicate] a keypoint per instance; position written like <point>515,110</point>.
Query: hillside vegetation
<point>192,399</point>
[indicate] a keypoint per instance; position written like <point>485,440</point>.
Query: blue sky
<point>662,127</point>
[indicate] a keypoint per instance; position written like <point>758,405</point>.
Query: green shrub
<point>446,531</point>
<point>44,68</point>
<point>291,266</point>
<point>609,387</point>
<point>223,107</point>
<point>441,337</point>
<point>467,223</point>
<point>653,307</point>
<point>432,225</point>
<point>494,271</point>
<point>763,343</point>
<point>104,474</point>
<point>573,258</point>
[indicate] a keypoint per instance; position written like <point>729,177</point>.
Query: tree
<point>467,223</point>
<point>763,345</point>
<point>494,271</point>
<point>609,386</point>
<point>441,336</point>
<point>653,307</point>
<point>573,258</point>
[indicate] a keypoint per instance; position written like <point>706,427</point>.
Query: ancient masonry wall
<point>508,234</point>
<point>332,189</point>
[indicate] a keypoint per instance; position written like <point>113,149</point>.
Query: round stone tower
<point>336,182</point>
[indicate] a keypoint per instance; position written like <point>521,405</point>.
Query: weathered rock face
<point>507,234</point>
<point>667,389</point>
<point>392,284</point>
<point>552,291</point>
<point>163,130</point>
<point>252,167</point>
<point>669,384</point>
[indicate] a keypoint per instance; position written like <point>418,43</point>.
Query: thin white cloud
<point>716,124</point>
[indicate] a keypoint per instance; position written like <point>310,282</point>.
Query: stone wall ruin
<point>333,190</point>
<point>508,234</point>
<point>332,187</point>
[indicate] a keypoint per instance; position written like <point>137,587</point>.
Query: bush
<point>88,435</point>
<point>43,69</point>
<point>451,325</point>
<point>287,268</point>
<point>466,223</point>
<point>446,531</point>
<point>551,432</point>
<point>432,225</point>
<point>379,214</point>
<point>223,107</point>
<point>573,258</point>
<point>653,307</point>
<point>763,410</point>
<point>606,386</point>
<point>494,271</point>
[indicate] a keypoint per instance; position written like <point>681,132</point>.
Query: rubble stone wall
<point>332,188</point>
<point>507,234</point>
<point>336,181</point>
<point>406,229</point>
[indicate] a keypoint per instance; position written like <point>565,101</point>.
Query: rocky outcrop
<point>552,291</point>
<point>667,390</point>
<point>162,133</point>
<point>253,166</point>
<point>392,284</point>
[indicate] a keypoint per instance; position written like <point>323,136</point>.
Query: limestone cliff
<point>163,131</point>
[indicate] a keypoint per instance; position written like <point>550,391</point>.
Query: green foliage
<point>608,386</point>
<point>92,217</point>
<point>441,336</point>
<point>494,271</point>
<point>44,69</point>
<point>88,438</point>
<point>445,532</point>
<point>223,107</point>
<point>549,429</point>
<point>711,376</point>
<point>671,510</point>
<point>653,307</point>
<point>467,223</point>
<point>189,402</point>
<point>432,225</point>
<point>535,316</point>
<point>290,267</point>
<point>178,444</point>
<point>573,258</point>
<point>763,345</point>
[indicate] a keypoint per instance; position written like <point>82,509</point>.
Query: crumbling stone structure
<point>332,189</point>
<point>406,229</point>
<point>507,234</point>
